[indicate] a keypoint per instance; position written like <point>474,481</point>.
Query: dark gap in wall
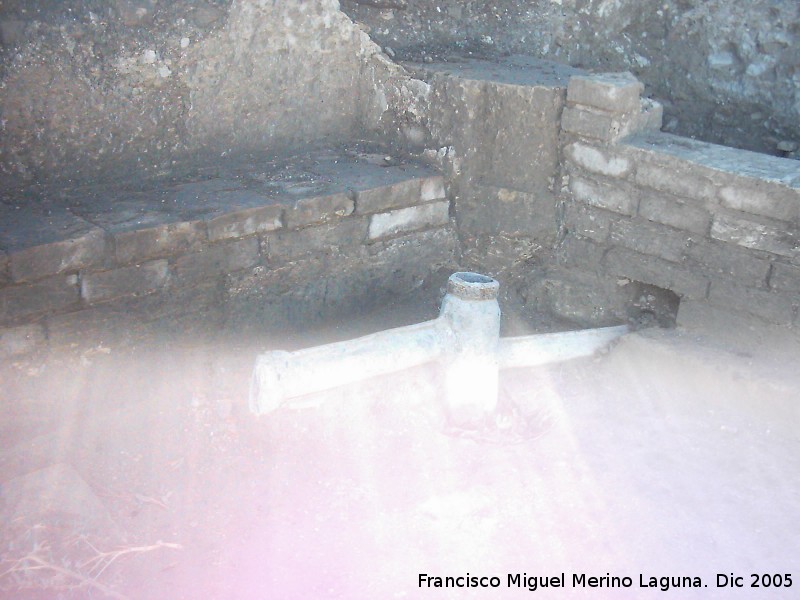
<point>652,306</point>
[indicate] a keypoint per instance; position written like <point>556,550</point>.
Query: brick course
<point>173,255</point>
<point>126,281</point>
<point>710,223</point>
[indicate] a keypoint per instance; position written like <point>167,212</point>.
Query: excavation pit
<point>185,187</point>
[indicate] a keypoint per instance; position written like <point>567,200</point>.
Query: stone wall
<point>712,224</point>
<point>565,188</point>
<point>726,71</point>
<point>496,127</point>
<point>94,90</point>
<point>90,88</point>
<point>250,250</point>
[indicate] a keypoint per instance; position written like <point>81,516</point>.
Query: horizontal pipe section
<point>546,348</point>
<point>465,339</point>
<point>280,376</point>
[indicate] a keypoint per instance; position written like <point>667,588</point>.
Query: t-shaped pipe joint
<point>464,339</point>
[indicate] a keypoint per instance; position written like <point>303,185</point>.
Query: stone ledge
<point>755,183</point>
<point>716,158</point>
<point>400,195</point>
<point>48,240</point>
<point>94,251</point>
<point>589,123</point>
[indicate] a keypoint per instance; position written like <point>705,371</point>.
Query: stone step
<point>63,251</point>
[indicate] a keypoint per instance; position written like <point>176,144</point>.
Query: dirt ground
<point>139,473</point>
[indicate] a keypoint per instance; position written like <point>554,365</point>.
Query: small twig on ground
<point>151,500</point>
<point>103,560</point>
<point>95,566</point>
<point>39,564</point>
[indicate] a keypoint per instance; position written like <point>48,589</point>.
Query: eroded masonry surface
<point>287,241</point>
<point>557,181</point>
<point>188,186</point>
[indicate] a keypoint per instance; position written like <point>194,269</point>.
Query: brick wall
<point>195,255</point>
<point>497,124</point>
<point>715,225</point>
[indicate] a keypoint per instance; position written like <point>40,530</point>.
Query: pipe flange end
<point>472,286</point>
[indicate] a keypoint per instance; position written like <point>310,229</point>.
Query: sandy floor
<point>139,473</point>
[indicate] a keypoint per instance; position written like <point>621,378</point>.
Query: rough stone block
<point>586,298</point>
<point>433,188</point>
<point>590,124</point>
<point>41,243</point>
<point>413,218</point>
<point>603,195</point>
<point>26,300</point>
<point>648,269</point>
<point>214,260</point>
<point>106,324</point>
<point>756,234</point>
<point>319,209</point>
<point>675,212</point>
<point>729,261</point>
<point>614,92</point>
<point>397,195</point>
<point>580,253</point>
<point>57,257</point>
<point>785,278</point>
<point>719,163</point>
<point>769,305</point>
<point>678,182</point>
<point>763,199</point>
<point>286,245</point>
<point>56,494</point>
<point>168,311</point>
<point>651,117</point>
<point>502,253</point>
<point>587,221</point>
<point>496,210</point>
<point>519,135</point>
<point>649,238</point>
<point>139,245</point>
<point>416,253</point>
<point>597,160</point>
<point>242,223</point>
<point>127,281</point>
<point>724,322</point>
<point>5,275</point>
<point>21,340</point>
